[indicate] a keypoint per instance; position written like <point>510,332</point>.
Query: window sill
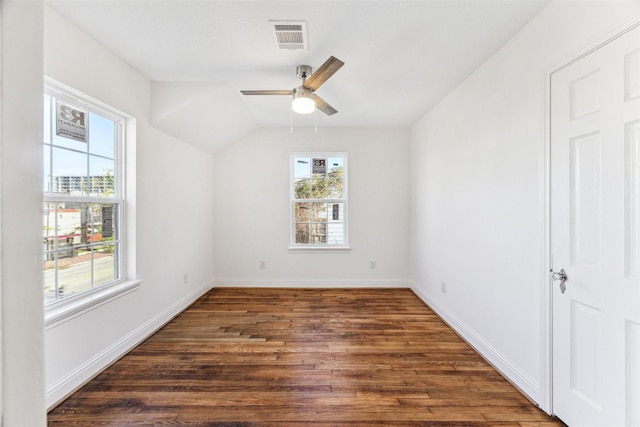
<point>319,249</point>
<point>66,309</point>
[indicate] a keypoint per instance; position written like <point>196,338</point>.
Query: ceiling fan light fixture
<point>303,101</point>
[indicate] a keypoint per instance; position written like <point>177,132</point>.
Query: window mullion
<point>55,255</point>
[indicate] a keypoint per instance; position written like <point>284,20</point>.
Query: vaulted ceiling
<point>401,57</point>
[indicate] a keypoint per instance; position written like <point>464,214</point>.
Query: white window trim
<point>57,312</point>
<point>70,307</point>
<point>318,248</point>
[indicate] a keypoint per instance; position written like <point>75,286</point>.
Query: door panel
<point>586,352</point>
<point>633,373</point>
<point>595,134</point>
<point>632,152</point>
<point>585,200</point>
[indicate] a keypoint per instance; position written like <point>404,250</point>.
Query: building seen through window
<point>83,196</point>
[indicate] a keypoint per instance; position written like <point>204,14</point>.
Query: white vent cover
<point>289,35</point>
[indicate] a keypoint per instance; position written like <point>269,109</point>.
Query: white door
<point>595,235</point>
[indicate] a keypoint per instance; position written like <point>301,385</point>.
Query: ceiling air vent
<point>289,35</point>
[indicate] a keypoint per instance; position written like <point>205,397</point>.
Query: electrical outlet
<point>186,278</point>
<point>263,265</point>
<point>443,287</point>
<point>372,264</point>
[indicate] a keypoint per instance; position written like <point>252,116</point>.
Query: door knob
<point>562,276</point>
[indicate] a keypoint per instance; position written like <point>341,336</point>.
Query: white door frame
<point>546,383</point>
<point>1,330</point>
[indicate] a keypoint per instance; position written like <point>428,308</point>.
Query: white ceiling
<point>401,57</point>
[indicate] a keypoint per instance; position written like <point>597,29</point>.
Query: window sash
<point>90,107</point>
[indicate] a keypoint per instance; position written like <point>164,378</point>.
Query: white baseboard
<point>511,372</point>
<point>71,382</point>
<point>288,283</point>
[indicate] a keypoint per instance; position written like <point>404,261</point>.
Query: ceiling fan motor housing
<point>303,71</point>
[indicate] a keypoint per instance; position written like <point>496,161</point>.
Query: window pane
<point>61,141</point>
<point>48,225</point>
<point>318,233</point>
<point>336,233</point>
<point>103,223</point>
<point>70,121</point>
<point>49,256</point>
<point>69,172</point>
<point>302,167</point>
<point>46,168</point>
<point>302,188</point>
<point>318,212</point>
<point>73,255</point>
<point>101,136</point>
<point>318,187</point>
<point>302,233</point>
<point>74,270</point>
<point>68,222</point>
<point>335,163</point>
<point>319,166</point>
<point>335,178</point>
<point>336,212</point>
<point>101,176</point>
<point>104,264</point>
<point>302,212</point>
<point>49,278</point>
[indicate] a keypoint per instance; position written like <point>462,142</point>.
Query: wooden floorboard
<point>294,357</point>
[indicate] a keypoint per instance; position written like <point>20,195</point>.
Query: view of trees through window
<point>319,199</point>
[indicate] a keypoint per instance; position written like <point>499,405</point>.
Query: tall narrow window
<point>83,196</point>
<point>319,200</point>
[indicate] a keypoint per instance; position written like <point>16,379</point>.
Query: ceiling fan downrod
<point>303,71</point>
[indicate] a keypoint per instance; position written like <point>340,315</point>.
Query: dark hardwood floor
<point>295,357</point>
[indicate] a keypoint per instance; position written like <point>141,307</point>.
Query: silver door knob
<point>562,276</point>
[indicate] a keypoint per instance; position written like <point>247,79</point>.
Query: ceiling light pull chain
<point>316,120</point>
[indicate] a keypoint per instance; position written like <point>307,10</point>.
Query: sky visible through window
<point>70,156</point>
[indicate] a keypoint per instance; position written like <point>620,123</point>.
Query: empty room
<point>329,213</point>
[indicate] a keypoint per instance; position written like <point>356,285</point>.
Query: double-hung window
<point>319,201</point>
<point>83,195</point>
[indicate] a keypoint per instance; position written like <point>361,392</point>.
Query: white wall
<point>252,209</point>
<point>22,390</point>
<point>173,211</point>
<point>478,191</point>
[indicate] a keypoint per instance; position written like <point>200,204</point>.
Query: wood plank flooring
<point>294,357</point>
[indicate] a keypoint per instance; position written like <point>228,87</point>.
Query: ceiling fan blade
<point>323,73</point>
<point>322,105</point>
<point>267,92</point>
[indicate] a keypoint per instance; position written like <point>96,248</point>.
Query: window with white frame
<point>83,195</point>
<point>319,200</point>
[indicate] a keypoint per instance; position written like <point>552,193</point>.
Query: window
<point>83,195</point>
<point>319,201</point>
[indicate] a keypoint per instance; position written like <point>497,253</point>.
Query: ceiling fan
<point>305,100</point>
